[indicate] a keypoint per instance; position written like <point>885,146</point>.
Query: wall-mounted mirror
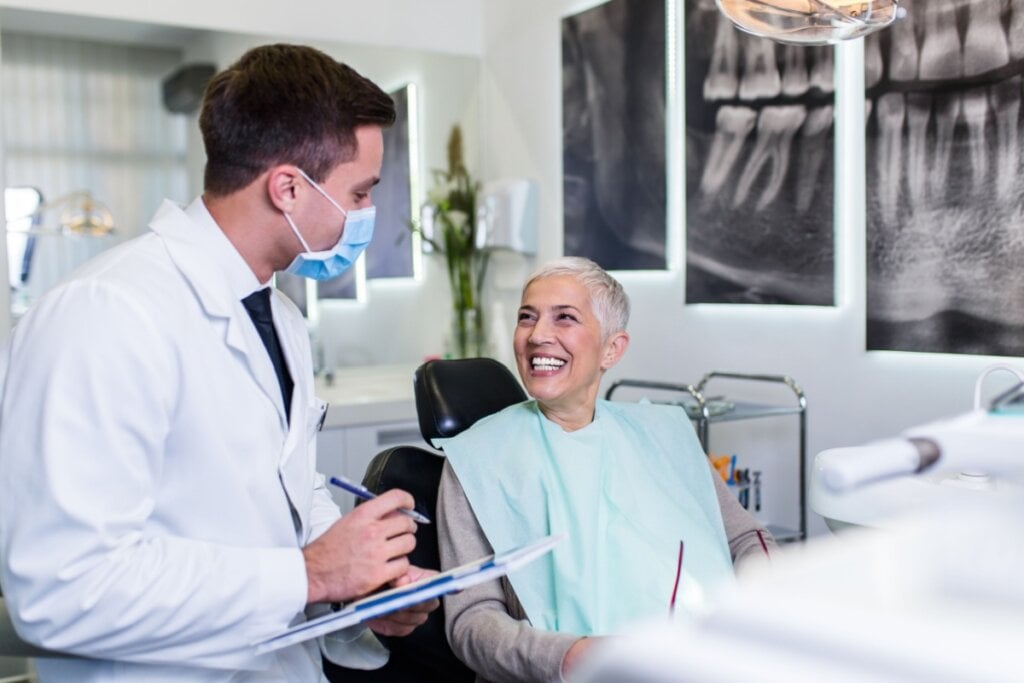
<point>84,110</point>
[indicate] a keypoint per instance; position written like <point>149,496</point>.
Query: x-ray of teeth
<point>945,214</point>
<point>813,152</point>
<point>903,52</point>
<point>775,130</point>
<point>941,51</point>
<point>722,80</point>
<point>891,109</point>
<point>613,144</point>
<point>794,73</point>
<point>823,68</point>
<point>390,253</point>
<point>732,125</point>
<point>985,44</point>
<point>759,167</point>
<point>1006,106</point>
<point>919,113</point>
<point>1015,30</point>
<point>761,79</point>
<point>872,63</point>
<point>976,116</point>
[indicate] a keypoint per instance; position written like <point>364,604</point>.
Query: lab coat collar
<point>220,278</point>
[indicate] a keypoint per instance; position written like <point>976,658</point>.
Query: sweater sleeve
<point>744,533</point>
<point>485,624</point>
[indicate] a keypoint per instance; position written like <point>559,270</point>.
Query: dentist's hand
<point>405,622</point>
<point>362,551</point>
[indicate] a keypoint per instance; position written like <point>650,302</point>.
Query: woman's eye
<point>567,316</point>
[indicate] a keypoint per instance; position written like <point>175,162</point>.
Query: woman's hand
<point>405,621</point>
<point>578,651</point>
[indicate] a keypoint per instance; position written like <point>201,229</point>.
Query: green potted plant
<point>448,225</point>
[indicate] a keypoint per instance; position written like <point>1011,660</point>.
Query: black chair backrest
<point>423,655</point>
<point>451,395</point>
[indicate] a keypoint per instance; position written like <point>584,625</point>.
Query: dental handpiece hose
<point>976,442</point>
<point>843,469</point>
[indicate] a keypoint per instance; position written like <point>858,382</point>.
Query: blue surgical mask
<point>355,237</point>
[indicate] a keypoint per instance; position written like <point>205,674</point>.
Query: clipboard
<point>395,599</point>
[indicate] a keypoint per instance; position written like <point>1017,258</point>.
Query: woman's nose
<point>540,333</point>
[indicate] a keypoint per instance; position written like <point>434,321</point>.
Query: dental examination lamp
<point>810,22</point>
<point>80,213</point>
<point>977,451</point>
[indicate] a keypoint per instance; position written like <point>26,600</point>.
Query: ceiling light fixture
<point>811,22</point>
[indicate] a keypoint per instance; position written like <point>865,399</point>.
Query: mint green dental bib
<point>626,489</point>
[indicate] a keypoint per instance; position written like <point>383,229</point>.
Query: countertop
<point>368,395</point>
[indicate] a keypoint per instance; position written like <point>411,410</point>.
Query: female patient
<point>628,482</point>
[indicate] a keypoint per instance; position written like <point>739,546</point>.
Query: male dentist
<point>159,505</point>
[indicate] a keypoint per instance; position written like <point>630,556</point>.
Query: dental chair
<point>451,395</point>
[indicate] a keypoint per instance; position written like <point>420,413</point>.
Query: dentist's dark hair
<point>285,104</point>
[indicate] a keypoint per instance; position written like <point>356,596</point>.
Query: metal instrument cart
<point>704,412</point>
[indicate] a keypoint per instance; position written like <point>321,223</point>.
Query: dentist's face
<point>349,184</point>
<point>558,346</point>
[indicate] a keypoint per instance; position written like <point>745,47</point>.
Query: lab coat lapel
<point>189,249</point>
<point>294,464</point>
<point>291,347</point>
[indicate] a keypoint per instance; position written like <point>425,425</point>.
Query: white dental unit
<point>928,589</point>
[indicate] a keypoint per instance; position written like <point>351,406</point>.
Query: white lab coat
<point>153,499</point>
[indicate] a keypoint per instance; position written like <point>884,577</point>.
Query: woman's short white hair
<point>607,298</point>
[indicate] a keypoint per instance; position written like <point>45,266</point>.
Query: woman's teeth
<point>546,363</point>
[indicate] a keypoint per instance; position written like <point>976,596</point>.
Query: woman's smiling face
<point>559,350</point>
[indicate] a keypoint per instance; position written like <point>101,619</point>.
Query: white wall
<point>447,80</point>
<point>853,396</point>
<point>451,26</point>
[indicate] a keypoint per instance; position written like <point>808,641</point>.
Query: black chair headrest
<point>451,395</point>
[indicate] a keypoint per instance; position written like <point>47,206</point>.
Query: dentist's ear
<point>282,187</point>
<point>614,348</point>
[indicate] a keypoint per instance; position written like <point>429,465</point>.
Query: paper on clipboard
<point>470,574</point>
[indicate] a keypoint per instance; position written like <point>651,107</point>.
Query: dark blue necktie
<point>258,305</point>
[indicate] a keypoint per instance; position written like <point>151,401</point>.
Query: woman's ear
<point>614,348</point>
<point>282,187</point>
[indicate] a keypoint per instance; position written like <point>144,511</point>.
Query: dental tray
<point>714,406</point>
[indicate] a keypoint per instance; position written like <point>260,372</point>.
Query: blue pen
<point>366,494</point>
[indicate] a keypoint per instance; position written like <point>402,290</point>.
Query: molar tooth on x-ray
<point>941,53</point>
<point>822,71</point>
<point>890,112</point>
<point>794,71</point>
<point>945,111</point>
<point>873,65</point>
<point>985,46</point>
<point>1005,98</point>
<point>1015,31</point>
<point>760,80</point>
<point>775,129</point>
<point>903,52</point>
<point>975,108</point>
<point>919,113</point>
<point>813,147</point>
<point>722,80</point>
<point>732,126</point>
